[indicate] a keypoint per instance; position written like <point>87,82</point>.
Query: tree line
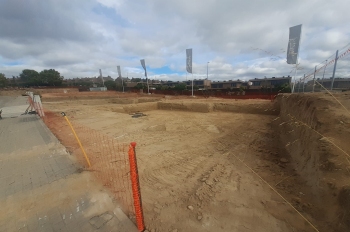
<point>30,77</point>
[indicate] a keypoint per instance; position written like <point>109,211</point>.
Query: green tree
<point>30,77</point>
<point>14,81</point>
<point>51,77</point>
<point>285,88</point>
<point>3,80</point>
<point>180,87</point>
<point>162,87</point>
<point>120,83</point>
<point>135,79</point>
<point>111,85</point>
<point>140,86</point>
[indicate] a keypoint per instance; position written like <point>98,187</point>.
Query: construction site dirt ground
<point>197,163</point>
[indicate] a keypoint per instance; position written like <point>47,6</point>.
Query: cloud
<point>40,20</point>
<point>240,39</point>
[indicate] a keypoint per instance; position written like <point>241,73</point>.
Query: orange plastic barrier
<point>135,184</point>
<point>110,161</point>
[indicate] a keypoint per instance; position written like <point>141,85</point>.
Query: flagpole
<point>147,85</point>
<point>143,64</point>
<point>295,77</point>
<point>192,84</point>
<point>189,64</point>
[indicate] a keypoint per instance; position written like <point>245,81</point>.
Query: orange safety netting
<point>112,163</point>
<point>136,187</point>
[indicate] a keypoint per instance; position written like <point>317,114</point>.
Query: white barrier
<point>35,103</point>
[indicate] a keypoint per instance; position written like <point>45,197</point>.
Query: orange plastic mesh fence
<point>109,159</point>
<point>136,187</point>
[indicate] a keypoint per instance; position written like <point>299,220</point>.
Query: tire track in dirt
<point>186,164</point>
<point>180,165</point>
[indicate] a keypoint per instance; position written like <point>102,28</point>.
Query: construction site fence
<point>332,73</point>
<point>248,94</point>
<point>112,162</point>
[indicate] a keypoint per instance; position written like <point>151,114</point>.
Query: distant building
<point>273,82</point>
<point>339,83</point>
<point>171,83</point>
<point>108,78</point>
<point>89,81</point>
<point>122,79</point>
<point>131,84</point>
<point>256,83</point>
<point>201,84</point>
<point>226,84</point>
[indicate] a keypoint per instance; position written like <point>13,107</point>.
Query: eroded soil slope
<point>315,131</point>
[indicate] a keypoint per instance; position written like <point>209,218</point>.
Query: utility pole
<point>295,77</point>
<point>123,84</point>
<point>103,82</point>
<point>192,84</point>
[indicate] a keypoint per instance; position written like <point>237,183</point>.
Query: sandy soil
<point>314,129</point>
<point>191,179</point>
<point>190,151</point>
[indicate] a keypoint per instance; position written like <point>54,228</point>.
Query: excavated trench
<point>314,132</point>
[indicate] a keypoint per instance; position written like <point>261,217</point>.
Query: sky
<point>240,39</point>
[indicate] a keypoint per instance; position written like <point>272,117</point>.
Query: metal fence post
<point>334,68</point>
<point>313,86</point>
<point>324,71</point>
